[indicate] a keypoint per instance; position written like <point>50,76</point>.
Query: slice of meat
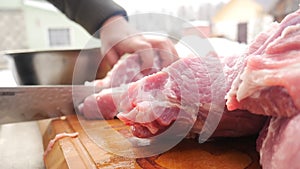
<point>56,138</point>
<point>269,82</point>
<point>127,69</point>
<point>190,90</point>
<point>278,143</point>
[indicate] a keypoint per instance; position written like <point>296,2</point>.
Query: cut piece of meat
<point>269,80</point>
<point>56,138</point>
<point>189,91</point>
<point>278,143</point>
<point>127,69</point>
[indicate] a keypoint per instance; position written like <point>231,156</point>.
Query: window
<point>59,37</point>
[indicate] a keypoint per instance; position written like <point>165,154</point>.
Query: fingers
<point>137,44</point>
<point>146,47</point>
<point>166,49</point>
<point>146,53</point>
<point>146,56</point>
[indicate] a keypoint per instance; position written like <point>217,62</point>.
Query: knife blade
<point>28,103</point>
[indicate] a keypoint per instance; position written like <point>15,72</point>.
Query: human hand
<point>118,37</point>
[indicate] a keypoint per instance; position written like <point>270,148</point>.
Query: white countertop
<point>6,78</point>
<point>20,143</point>
<point>21,146</point>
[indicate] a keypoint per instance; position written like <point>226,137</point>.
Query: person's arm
<point>90,14</point>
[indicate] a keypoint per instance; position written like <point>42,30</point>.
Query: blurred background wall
<point>36,24</point>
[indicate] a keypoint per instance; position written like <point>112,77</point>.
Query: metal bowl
<point>55,67</point>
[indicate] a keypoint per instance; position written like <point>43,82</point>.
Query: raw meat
<point>269,80</point>
<point>278,143</point>
<point>127,69</point>
<point>187,91</point>
<point>56,138</point>
<point>269,85</point>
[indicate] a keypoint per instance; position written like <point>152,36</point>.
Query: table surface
<point>20,143</point>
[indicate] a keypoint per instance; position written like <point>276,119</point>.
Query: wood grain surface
<point>82,152</point>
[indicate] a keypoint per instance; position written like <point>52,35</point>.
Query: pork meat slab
<point>188,90</point>
<point>270,71</point>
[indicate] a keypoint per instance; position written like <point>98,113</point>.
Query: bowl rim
<point>28,51</point>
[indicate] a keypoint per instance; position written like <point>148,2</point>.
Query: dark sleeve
<point>90,14</point>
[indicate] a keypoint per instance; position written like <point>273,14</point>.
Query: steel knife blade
<point>27,103</point>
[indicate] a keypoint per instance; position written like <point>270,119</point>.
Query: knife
<point>27,103</point>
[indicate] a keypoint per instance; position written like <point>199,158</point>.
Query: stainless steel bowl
<point>55,67</point>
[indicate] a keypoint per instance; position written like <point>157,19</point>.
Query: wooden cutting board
<point>81,152</point>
